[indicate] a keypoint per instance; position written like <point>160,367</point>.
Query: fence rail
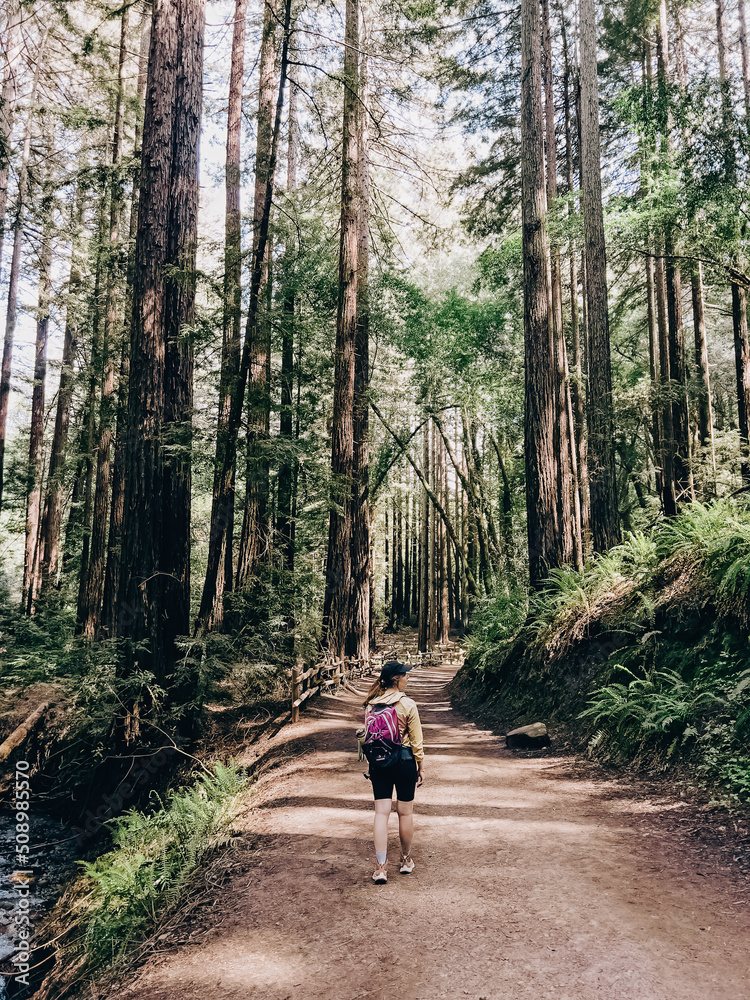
<point>309,680</point>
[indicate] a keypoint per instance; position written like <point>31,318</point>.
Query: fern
<point>154,860</point>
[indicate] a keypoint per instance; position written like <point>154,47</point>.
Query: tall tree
<point>605,525</point>
<point>358,644</point>
<point>543,526</point>
<point>155,582</point>
<point>117,505</point>
<point>255,538</point>
<point>739,292</point>
<point>337,616</point>
<point>569,506</point>
<point>50,542</point>
<point>36,458</point>
<point>285,521</point>
<point>232,303</point>
<point>677,372</point>
<point>12,53</point>
<point>19,231</point>
<point>745,58</point>
<point>93,583</point>
<point>577,391</point>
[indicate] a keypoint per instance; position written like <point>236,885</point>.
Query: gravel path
<point>529,883</point>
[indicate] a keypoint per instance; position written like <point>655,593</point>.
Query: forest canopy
<point>321,319</point>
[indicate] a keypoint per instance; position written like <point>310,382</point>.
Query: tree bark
<point>444,560</point>
<point>8,106</point>
<point>677,387</point>
<point>36,436</point>
<point>117,505</point>
<point>605,526</point>
<point>739,293</point>
<point>387,603</point>
<point>15,266</point>
<point>285,523</point>
<point>50,549</point>
<point>94,581</point>
<point>337,612</point>
<point>543,524</point>
<point>255,538</point>
<point>155,580</point>
<point>232,315</point>
<point>745,58</point>
<point>424,580</point>
<point>669,500</point>
<point>568,511</point>
<point>577,389</point>
<point>704,407</point>
<point>358,643</point>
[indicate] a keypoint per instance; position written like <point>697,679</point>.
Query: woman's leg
<point>405,825</point>
<point>380,833</point>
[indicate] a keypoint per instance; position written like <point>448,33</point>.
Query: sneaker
<point>407,864</point>
<point>380,876</point>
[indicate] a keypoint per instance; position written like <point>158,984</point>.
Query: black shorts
<point>402,774</point>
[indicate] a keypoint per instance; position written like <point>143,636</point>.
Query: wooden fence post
<point>295,692</point>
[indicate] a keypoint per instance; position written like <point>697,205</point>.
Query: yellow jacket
<point>408,720</point>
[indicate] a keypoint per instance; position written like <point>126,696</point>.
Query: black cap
<point>393,669</point>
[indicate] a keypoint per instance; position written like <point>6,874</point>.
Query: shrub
<point>147,874</point>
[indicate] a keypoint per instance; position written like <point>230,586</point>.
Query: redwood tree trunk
<point>117,505</point>
<point>155,582</point>
<point>424,550</point>
<point>15,266</point>
<point>677,375</point>
<point>50,545</point>
<point>704,408</point>
<point>36,463</point>
<point>605,525</point>
<point>745,58</point>
<point>337,612</point>
<point>91,609</point>
<point>255,539</point>
<point>739,293</point>
<point>577,388</point>
<point>285,523</point>
<point>358,643</point>
<point>8,106</point>
<point>567,510</point>
<point>543,527</point>
<point>232,318</point>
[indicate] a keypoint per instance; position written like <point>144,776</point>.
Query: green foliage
<point>675,686</point>
<point>495,620</point>
<point>717,538</point>
<point>679,700</point>
<point>657,712</point>
<point>155,857</point>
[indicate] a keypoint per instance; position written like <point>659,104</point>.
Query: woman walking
<point>405,774</point>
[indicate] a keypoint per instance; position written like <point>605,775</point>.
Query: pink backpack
<point>381,741</point>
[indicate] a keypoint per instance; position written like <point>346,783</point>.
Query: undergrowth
<point>646,648</point>
<point>124,895</point>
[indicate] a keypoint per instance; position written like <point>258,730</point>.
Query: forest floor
<point>532,880</point>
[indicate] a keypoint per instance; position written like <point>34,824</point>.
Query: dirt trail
<point>529,884</point>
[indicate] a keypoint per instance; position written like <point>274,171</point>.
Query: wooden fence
<point>331,675</point>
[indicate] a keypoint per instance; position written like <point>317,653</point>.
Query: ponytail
<point>378,687</point>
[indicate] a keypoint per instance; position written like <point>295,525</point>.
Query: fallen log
<point>20,733</point>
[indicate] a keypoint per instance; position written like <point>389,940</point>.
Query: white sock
<point>381,856</point>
